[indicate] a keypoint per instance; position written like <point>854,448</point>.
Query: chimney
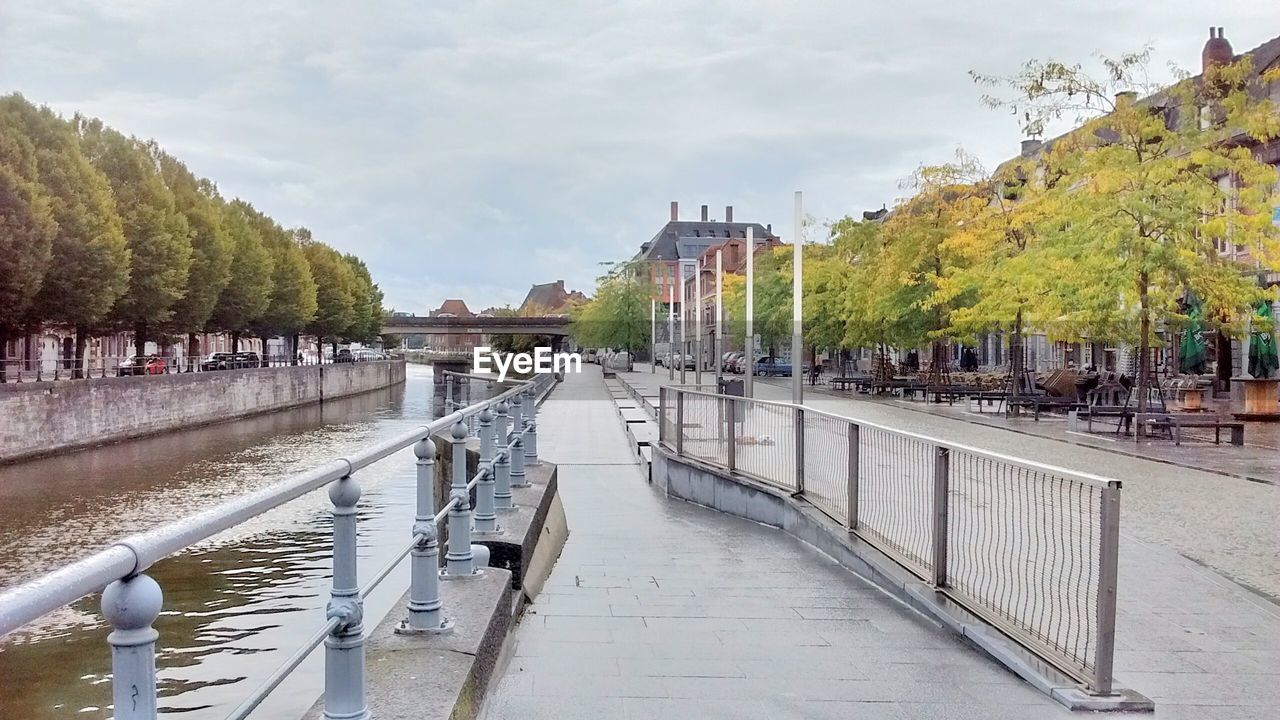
<point>1217,51</point>
<point>675,211</point>
<point>1125,98</point>
<point>704,213</point>
<point>769,229</point>
<point>1030,146</point>
<point>728,213</point>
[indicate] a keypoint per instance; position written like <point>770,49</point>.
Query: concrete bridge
<point>397,325</point>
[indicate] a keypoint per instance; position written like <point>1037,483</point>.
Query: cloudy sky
<point>470,149</point>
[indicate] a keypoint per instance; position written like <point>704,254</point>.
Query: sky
<point>471,149</point>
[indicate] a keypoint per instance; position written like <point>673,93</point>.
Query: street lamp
<point>719,315</point>
<point>749,331</point>
<point>797,313</point>
<point>653,335</point>
<point>697,304</point>
<point>671,323</point>
<point>684,318</point>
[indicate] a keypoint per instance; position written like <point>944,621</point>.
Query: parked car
<point>690,362</point>
<point>142,365</point>
<point>727,362</point>
<point>247,360</point>
<point>217,361</point>
<point>773,366</point>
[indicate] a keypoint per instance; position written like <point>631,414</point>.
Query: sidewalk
<point>1187,635</point>
<point>662,609</point>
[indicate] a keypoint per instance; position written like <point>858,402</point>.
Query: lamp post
<point>797,312</point>
<point>684,321</point>
<point>719,315</point>
<point>653,335</point>
<point>671,329</point>
<point>749,331</point>
<point>697,308</point>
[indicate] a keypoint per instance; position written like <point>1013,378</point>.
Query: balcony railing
<point>1030,548</point>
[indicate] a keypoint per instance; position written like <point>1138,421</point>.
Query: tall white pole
<point>671,327</point>
<point>653,336</point>
<point>797,310</point>
<point>697,308</point>
<point>684,311</point>
<point>719,349</point>
<point>749,331</point>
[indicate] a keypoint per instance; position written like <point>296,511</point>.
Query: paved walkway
<point>662,609</point>
<point>1192,639</point>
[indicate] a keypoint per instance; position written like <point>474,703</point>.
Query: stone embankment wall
<point>45,417</point>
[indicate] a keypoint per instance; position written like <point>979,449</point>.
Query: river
<point>235,606</point>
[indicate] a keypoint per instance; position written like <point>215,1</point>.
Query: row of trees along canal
<point>1104,234</point>
<point>103,232</point>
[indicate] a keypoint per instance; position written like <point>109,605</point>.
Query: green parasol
<point>1191,352</point>
<point>1263,360</point>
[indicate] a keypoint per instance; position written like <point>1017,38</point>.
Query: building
<point>1042,354</point>
<point>550,299</point>
<point>684,241</point>
<point>454,307</point>
<point>672,254</point>
<point>700,291</point>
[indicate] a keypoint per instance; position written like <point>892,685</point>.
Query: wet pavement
<point>662,609</point>
<point>1196,641</point>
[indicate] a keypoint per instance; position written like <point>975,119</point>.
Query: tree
<point>1005,269</point>
<point>618,316</point>
<point>89,262</point>
<point>27,230</point>
<point>1158,190</point>
<point>157,234</point>
<point>899,303</point>
<point>292,302</point>
<point>247,293</point>
<point>366,325</point>
<point>336,310</point>
<point>212,247</point>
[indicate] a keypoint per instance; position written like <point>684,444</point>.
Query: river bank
<point>47,417</point>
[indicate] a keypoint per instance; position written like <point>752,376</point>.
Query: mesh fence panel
<point>895,495</point>
<point>826,464</point>
<point>766,443</point>
<point>704,429</point>
<point>1024,550</point>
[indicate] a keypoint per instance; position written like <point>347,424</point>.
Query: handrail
<point>1086,477</point>
<point>134,554</point>
<point>1030,547</point>
<point>132,600</point>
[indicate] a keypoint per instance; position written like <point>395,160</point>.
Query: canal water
<point>237,605</point>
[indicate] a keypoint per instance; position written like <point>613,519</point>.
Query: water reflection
<point>238,604</point>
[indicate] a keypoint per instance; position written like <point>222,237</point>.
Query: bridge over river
<point>690,584</point>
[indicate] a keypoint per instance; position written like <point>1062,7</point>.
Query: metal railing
<point>1030,548</point>
<point>131,600</point>
<point>18,370</point>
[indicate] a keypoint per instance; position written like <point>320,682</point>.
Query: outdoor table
<point>1261,399</point>
<point>1192,398</point>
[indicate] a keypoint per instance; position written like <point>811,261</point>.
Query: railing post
<point>459,563</point>
<point>486,519</point>
<point>941,477</point>
<point>426,611</point>
<point>517,419</point>
<point>1108,572</point>
<point>531,437</point>
<point>344,648</point>
<point>131,605</point>
<point>799,420</point>
<point>662,414</point>
<point>518,479</point>
<point>502,462</point>
<point>731,435</point>
<point>680,422</point>
<point>855,446</point>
